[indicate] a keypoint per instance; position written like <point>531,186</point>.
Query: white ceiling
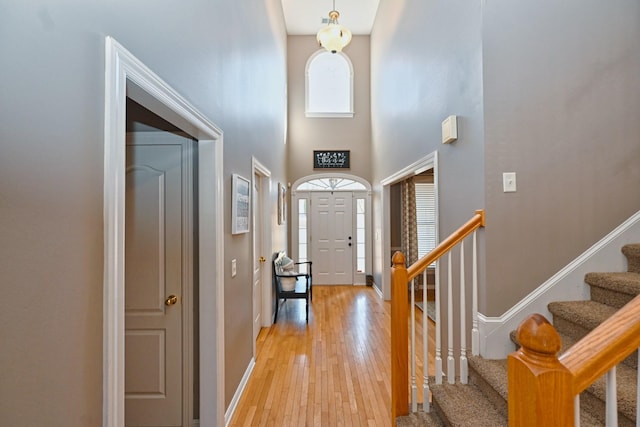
<point>303,17</point>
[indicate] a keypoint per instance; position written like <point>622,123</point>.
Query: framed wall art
<point>282,204</point>
<point>240,204</point>
<point>331,159</point>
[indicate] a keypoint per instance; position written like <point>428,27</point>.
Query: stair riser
<point>632,252</point>
<point>563,326</point>
<point>577,332</point>
<point>492,395</point>
<point>597,409</point>
<point>611,298</point>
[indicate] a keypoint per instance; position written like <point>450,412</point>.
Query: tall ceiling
<point>304,17</point>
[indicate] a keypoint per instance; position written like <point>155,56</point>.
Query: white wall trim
<point>239,391</point>
<point>566,285</point>
<point>126,76</point>
<point>415,168</point>
<point>427,162</point>
<point>265,191</point>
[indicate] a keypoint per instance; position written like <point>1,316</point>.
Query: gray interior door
<point>154,280</point>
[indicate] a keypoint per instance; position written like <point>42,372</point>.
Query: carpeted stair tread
<point>588,314</point>
<point>632,252</point>
<point>419,419</point>
<point>626,283</point>
<point>465,406</point>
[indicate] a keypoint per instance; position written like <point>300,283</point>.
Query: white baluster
<point>612,399</point>
<point>425,346</point>
<point>414,388</point>
<point>438,355</point>
<point>464,370</point>
<point>475,334</point>
<point>451,364</point>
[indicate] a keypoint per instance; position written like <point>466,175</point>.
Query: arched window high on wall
<point>331,226</point>
<point>329,85</point>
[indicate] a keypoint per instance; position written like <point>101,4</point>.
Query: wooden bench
<point>290,284</point>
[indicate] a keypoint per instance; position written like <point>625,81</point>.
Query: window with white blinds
<point>425,217</point>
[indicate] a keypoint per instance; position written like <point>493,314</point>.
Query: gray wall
<point>549,90</point>
<point>562,101</point>
<point>426,65</point>
<point>227,58</point>
<point>308,134</point>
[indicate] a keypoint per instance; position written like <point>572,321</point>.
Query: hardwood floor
<point>335,371</point>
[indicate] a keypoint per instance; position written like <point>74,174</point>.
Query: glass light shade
<point>334,36</point>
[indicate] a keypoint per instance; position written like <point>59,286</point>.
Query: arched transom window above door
<point>331,184</point>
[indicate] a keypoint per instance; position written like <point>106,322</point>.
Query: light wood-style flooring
<point>335,371</point>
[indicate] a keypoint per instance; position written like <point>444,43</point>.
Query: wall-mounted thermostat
<point>449,129</point>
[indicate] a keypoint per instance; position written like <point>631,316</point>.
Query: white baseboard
<point>378,291</point>
<point>566,285</point>
<point>239,391</point>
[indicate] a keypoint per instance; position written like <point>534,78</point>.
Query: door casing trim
<point>126,76</point>
<point>296,195</point>
<point>430,161</point>
<point>265,223</point>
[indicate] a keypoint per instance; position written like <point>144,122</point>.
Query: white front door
<point>154,280</point>
<point>258,257</point>
<point>332,237</point>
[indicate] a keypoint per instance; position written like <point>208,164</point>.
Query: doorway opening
<point>160,272</point>
<point>331,225</point>
<point>423,171</point>
<point>262,294</point>
<point>126,77</point>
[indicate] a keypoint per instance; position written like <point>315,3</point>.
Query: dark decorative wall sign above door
<point>331,159</point>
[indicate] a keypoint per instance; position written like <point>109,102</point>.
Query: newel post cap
<point>536,334</point>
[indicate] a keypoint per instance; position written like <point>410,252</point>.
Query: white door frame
<point>126,76</point>
<point>430,161</point>
<point>296,194</point>
<point>265,223</point>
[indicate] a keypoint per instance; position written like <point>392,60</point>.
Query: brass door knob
<point>171,300</point>
<point>262,259</point>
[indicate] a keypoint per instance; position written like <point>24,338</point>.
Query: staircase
<point>484,401</point>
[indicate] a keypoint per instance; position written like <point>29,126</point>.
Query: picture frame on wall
<point>240,204</point>
<point>331,159</point>
<point>282,204</point>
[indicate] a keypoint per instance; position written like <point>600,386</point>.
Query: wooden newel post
<point>540,387</point>
<point>399,338</point>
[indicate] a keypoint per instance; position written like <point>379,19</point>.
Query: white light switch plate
<point>233,268</point>
<point>509,182</point>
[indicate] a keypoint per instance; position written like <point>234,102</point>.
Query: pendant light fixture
<point>334,36</point>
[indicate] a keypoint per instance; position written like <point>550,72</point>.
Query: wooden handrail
<point>400,277</point>
<point>445,246</point>
<point>604,347</point>
<point>542,386</point>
